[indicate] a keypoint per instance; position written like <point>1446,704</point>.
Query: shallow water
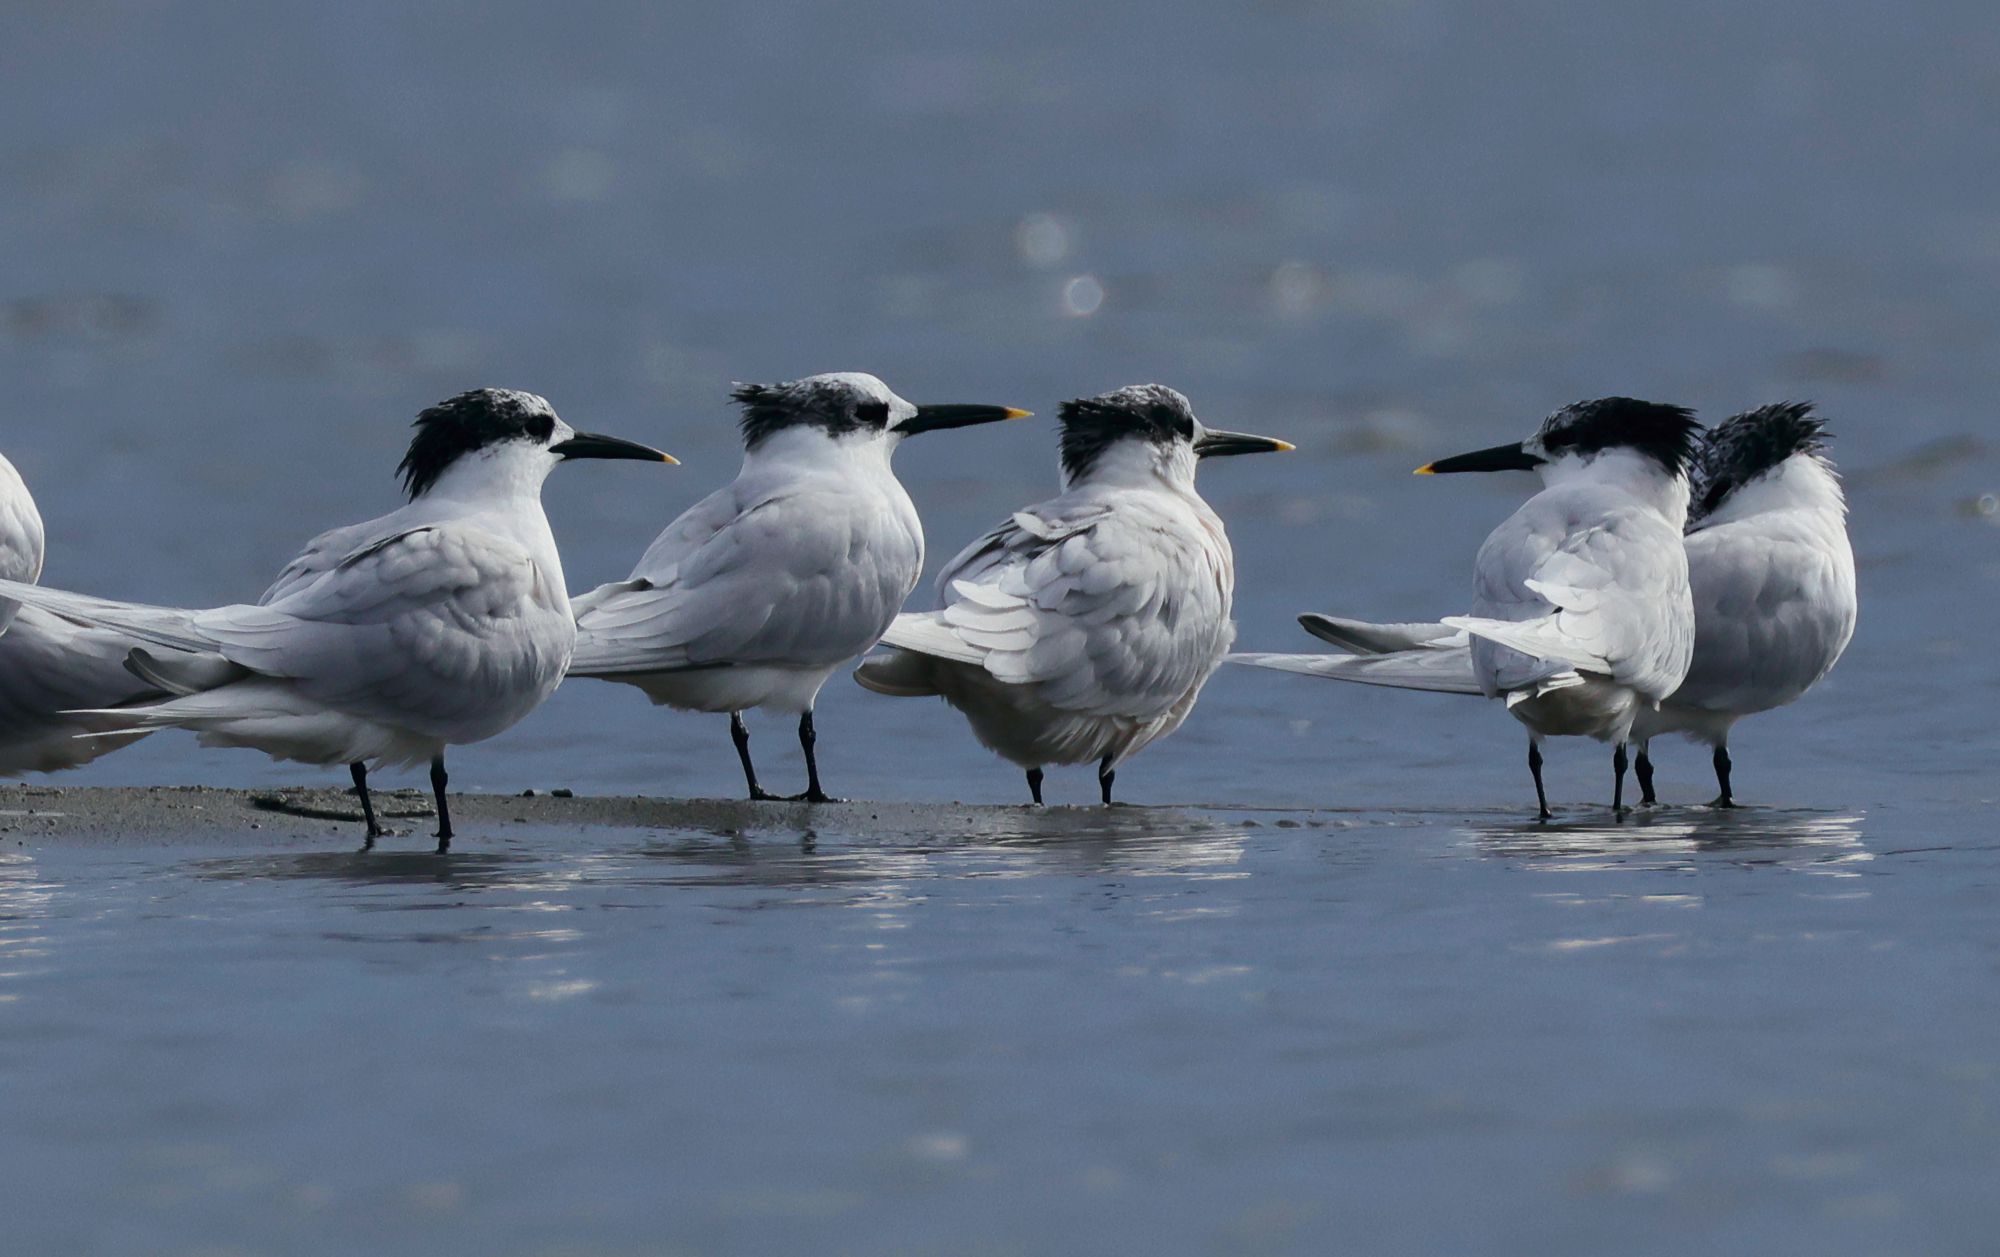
<point>240,248</point>
<point>1131,1030</point>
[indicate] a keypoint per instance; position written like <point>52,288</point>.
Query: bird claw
<point>812,796</point>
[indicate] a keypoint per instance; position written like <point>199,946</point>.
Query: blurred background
<point>240,246</point>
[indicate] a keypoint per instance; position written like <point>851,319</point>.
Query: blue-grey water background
<point>1354,1004</point>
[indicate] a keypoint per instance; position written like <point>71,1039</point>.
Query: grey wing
<point>1773,614</point>
<point>1113,615</point>
<point>324,553</point>
<point>431,623</point>
<point>1610,597</point>
<point>803,578</point>
<point>1506,561</point>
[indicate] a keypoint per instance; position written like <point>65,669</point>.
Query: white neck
<point>806,448</point>
<point>500,487</point>
<point>1140,464</point>
<point>1802,482</point>
<point>1626,470</point>
<point>498,473</point>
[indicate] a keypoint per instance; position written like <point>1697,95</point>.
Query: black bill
<point>592,445</point>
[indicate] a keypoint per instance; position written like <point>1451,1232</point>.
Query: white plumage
<point>439,624</point>
<point>755,595</point>
<point>1083,628</point>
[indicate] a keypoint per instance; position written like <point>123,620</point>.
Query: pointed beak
<point>1216,443</point>
<point>592,445</point>
<point>937,418</point>
<point>1500,458</point>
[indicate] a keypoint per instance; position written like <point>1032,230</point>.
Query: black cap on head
<point>471,421</point>
<point>1743,447</point>
<point>1663,433</point>
<point>1149,412</point>
<point>835,404</point>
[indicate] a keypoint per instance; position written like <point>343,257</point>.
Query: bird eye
<point>542,427</point>
<point>875,414</point>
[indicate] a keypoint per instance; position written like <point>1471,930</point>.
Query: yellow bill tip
<point>1016,413</point>
<point>1428,469</point>
<point>1282,447</point>
<point>669,458</point>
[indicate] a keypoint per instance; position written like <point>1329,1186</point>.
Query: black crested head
<point>1091,425</point>
<point>835,404</point>
<point>1743,447</point>
<point>471,421</point>
<point>1664,433</point>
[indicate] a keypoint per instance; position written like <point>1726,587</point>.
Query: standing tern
<point>755,595</point>
<point>1084,627</point>
<point>1582,616</point>
<point>1773,578</point>
<point>50,665</point>
<point>439,624</point>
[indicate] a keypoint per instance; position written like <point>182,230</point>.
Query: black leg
<point>1105,776</point>
<point>807,737</point>
<point>1722,767</point>
<point>1535,767</point>
<point>438,781</point>
<point>1035,784</point>
<point>1642,766</point>
<point>741,736</point>
<point>1619,763</point>
<point>359,771</point>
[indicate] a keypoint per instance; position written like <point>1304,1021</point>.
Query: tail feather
<point>1360,637</point>
<point>899,674</point>
<point>926,633</point>
<point>182,674</point>
<point>1541,638</point>
<point>162,626</point>
<point>1438,671</point>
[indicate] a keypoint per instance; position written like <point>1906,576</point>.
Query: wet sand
<point>170,815</point>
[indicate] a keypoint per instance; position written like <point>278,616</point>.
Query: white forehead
<point>869,388</point>
<point>534,403</point>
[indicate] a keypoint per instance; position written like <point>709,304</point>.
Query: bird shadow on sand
<point>314,805</point>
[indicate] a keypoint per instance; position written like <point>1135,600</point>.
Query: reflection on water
<point>25,945</point>
<point>1815,841</point>
<point>978,844</point>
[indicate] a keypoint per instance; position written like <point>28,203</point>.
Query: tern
<point>1582,619</point>
<point>50,665</point>
<point>759,592</point>
<point>439,624</point>
<point>1773,577</point>
<point>1083,628</point>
